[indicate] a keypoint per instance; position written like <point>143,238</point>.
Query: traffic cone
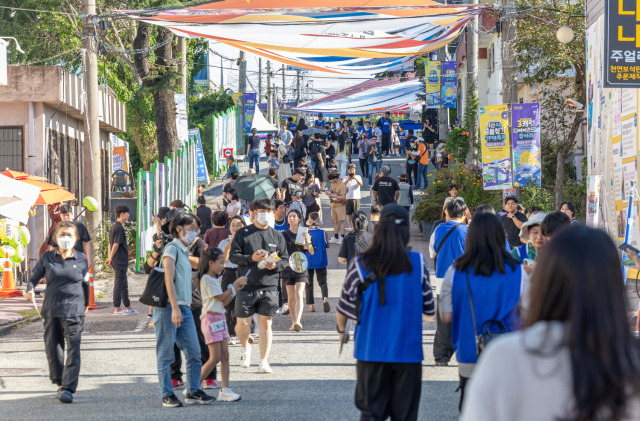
<point>199,190</point>
<point>92,296</point>
<point>8,289</point>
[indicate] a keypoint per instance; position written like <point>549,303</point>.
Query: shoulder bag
<point>155,291</point>
<point>485,335</point>
<point>435,259</point>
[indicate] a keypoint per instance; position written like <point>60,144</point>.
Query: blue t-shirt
<point>392,332</point>
<point>402,137</point>
<point>386,125</point>
<point>291,127</point>
<point>319,259</point>
<point>231,169</point>
<point>319,123</point>
<point>281,227</point>
<point>182,278</point>
<point>494,298</point>
<point>452,248</point>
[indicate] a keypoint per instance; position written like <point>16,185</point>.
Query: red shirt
<point>214,235</point>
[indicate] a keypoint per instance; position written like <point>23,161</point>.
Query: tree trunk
<point>560,158</point>
<point>166,131</point>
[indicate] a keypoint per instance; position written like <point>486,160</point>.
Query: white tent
<point>261,124</point>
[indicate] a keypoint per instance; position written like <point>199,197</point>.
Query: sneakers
<point>340,240</point>
<point>245,358</point>
<point>121,313</point>
<point>171,401</point>
<point>210,384</point>
<point>132,312</point>
<point>285,310</point>
<point>65,396</point>
<point>198,397</point>
<point>228,395</point>
<point>177,384</point>
<point>233,340</point>
<point>264,368</point>
<point>334,240</point>
<point>297,327</point>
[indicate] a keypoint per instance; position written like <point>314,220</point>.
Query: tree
<point>542,59</point>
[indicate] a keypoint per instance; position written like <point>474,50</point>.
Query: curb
<point>6,328</point>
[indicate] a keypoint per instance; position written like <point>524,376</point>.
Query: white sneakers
<point>125,312</point>
<point>264,368</point>
<point>334,240</point>
<point>340,240</point>
<point>245,358</point>
<point>228,395</point>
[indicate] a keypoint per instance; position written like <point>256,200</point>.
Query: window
<point>11,148</point>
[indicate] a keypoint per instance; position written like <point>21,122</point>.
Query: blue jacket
<point>452,248</point>
<point>319,259</point>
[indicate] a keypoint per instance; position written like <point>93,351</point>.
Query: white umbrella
<point>16,199</point>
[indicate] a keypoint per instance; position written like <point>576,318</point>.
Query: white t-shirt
<point>233,209</point>
<point>353,188</point>
<point>209,288</point>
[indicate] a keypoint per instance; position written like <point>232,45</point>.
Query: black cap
<point>162,212</point>
<point>396,214</point>
<point>170,215</point>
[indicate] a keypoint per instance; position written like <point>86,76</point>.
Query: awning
<point>370,97</point>
<point>339,36</point>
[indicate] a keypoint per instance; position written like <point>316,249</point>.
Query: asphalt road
<point>118,378</point>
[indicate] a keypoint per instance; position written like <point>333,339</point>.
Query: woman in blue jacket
<point>494,278</point>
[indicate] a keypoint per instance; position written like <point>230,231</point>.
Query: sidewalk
<point>15,310</point>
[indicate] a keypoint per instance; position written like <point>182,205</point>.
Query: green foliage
<point>101,241</point>
<point>429,209</point>
<point>457,144</point>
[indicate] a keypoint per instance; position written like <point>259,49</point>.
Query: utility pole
<point>259,80</point>
<point>509,58</point>
<point>242,76</point>
<point>472,78</point>
<point>182,64</point>
<point>298,79</point>
<point>269,94</point>
<point>91,148</point>
<point>284,91</point>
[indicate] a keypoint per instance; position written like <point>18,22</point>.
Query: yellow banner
<point>496,147</point>
<point>432,73</point>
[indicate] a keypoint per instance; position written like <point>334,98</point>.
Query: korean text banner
<point>621,44</point>
<point>495,147</point>
<point>449,85</point>
<point>525,132</point>
<point>249,110</point>
<point>432,71</point>
<point>203,174</point>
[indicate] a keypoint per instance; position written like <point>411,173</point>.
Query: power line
<point>39,11</point>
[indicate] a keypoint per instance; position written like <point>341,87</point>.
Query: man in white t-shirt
<point>353,183</point>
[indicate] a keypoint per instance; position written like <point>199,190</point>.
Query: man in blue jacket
<point>386,125</point>
<point>450,239</point>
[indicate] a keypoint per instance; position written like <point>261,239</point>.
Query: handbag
<point>485,335</point>
<point>155,291</point>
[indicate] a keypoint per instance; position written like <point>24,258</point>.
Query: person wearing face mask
<point>175,323</point>
<point>250,246</point>
<point>119,259</point>
<point>65,304</point>
<point>82,243</point>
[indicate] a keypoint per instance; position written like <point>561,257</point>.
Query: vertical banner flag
<point>249,110</point>
<point>495,147</point>
<point>525,130</point>
<point>593,201</point>
<point>449,85</point>
<point>432,71</point>
<point>203,174</point>
<point>237,98</point>
<point>182,124</point>
<point>120,153</point>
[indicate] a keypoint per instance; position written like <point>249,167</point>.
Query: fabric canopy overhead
<point>339,36</point>
<point>370,97</point>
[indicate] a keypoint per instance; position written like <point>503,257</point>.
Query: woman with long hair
<point>481,290</point>
<point>341,156</point>
<point>357,240</point>
<point>310,192</point>
<point>577,359</point>
<point>386,291</point>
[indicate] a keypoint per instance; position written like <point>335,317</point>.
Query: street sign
<point>227,152</point>
<point>621,44</point>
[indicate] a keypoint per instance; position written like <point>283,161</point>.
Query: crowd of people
<point>531,304</point>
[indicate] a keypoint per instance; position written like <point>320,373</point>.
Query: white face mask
<point>271,220</point>
<point>263,218</point>
<point>65,242</point>
<point>189,237</point>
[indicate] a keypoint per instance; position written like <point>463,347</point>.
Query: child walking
<point>213,321</point>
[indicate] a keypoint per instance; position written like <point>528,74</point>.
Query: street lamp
<point>16,41</point>
<point>565,34</point>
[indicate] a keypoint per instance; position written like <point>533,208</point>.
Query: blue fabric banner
<point>449,85</point>
<point>203,174</point>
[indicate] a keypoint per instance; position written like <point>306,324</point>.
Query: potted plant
<point>428,211</point>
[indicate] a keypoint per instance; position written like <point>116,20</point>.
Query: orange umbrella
<point>50,193</point>
<point>17,175</point>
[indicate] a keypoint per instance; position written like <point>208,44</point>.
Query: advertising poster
<point>249,110</point>
<point>182,124</point>
<point>621,47</point>
<point>449,85</point>
<point>495,147</point>
<point>593,201</point>
<point>203,174</point>
<point>120,154</point>
<point>525,129</point>
<point>432,70</point>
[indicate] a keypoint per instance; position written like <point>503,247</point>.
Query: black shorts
<point>353,205</point>
<point>293,281</point>
<point>265,303</point>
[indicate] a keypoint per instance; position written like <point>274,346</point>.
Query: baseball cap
<point>396,214</point>
<point>297,193</point>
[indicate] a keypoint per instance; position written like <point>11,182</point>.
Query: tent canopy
<point>339,36</point>
<point>261,124</point>
<point>370,97</point>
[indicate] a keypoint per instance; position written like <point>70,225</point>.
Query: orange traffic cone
<point>199,190</point>
<point>92,296</point>
<point>8,289</point>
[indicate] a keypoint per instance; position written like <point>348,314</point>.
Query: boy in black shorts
<point>252,245</point>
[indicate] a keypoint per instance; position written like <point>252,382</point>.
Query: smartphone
<point>628,247</point>
<point>528,263</point>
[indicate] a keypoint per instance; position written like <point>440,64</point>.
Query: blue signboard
<point>203,174</point>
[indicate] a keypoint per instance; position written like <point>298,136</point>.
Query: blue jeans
<point>254,155</point>
<point>374,168</point>
<point>312,163</point>
<point>422,174</point>
<point>186,338</point>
